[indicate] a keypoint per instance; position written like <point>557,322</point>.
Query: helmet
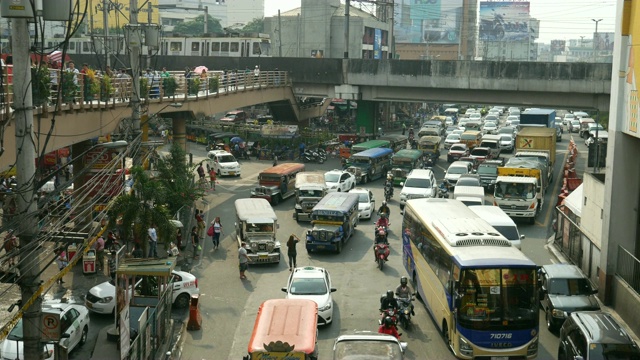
<point>388,321</point>
<point>383,215</point>
<point>403,281</point>
<point>384,203</point>
<point>389,294</point>
<point>381,233</point>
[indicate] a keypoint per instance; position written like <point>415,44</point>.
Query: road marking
<point>547,215</point>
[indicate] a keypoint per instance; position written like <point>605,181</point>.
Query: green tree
<point>135,212</point>
<point>254,26</point>
<point>178,180</point>
<point>196,27</point>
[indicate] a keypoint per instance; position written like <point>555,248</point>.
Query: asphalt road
<point>229,305</point>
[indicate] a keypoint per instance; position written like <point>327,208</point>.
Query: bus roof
<point>457,224</point>
<point>337,201</point>
<point>371,144</point>
<point>373,153</point>
<point>293,321</point>
<point>254,208</point>
<point>491,256</point>
<point>283,169</point>
<point>409,154</point>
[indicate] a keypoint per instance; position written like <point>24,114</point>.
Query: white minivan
<point>500,221</point>
<point>469,195</point>
<point>420,183</point>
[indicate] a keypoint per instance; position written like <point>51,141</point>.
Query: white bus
<point>479,289</point>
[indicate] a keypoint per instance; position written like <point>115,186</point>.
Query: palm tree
<point>177,180</point>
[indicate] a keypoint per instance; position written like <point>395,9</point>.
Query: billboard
<point>603,41</point>
<point>504,21</point>
<point>377,44</point>
<point>432,21</point>
<point>557,46</point>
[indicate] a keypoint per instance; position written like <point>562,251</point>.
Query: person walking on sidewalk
<point>217,231</point>
<point>99,247</point>
<point>153,242</point>
<point>291,251</point>
<point>212,178</point>
<point>243,258</point>
<point>195,242</point>
<point>200,222</point>
<point>61,261</point>
<point>404,128</point>
<point>201,174</point>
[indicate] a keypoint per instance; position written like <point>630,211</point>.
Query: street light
<point>594,38</point>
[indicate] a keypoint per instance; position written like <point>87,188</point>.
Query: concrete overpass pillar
<point>366,118</point>
<point>180,132</point>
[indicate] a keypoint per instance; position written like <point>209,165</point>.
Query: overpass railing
<point>93,89</point>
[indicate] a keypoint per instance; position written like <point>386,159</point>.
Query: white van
<point>420,183</point>
<point>469,195</point>
<point>223,163</point>
<point>497,218</point>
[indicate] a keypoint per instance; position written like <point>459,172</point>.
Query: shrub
<point>170,85</point>
<point>194,86</point>
<point>40,88</point>
<point>214,82</point>
<point>144,88</point>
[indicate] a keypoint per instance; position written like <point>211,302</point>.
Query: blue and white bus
<point>480,290</point>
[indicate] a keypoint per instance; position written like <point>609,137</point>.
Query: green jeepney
<point>402,163</point>
<point>430,145</point>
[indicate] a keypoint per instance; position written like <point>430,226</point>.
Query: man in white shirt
<point>153,241</point>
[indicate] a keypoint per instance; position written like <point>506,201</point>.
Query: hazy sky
<point>559,19</point>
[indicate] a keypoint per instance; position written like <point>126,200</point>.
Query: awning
<point>573,202</point>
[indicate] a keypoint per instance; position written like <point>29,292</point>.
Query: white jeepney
<point>310,188</point>
<point>256,225</point>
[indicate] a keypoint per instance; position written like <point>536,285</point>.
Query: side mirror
<point>284,289</point>
<point>334,289</point>
<point>521,237</point>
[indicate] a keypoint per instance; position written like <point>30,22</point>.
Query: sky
<point>559,19</point>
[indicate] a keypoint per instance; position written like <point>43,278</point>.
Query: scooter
<point>388,192</point>
<point>382,254</point>
<point>404,311</point>
<point>443,191</point>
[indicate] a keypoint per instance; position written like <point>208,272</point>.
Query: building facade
<point>230,13</point>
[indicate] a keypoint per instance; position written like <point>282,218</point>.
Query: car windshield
<point>613,352</point>
<point>510,232</point>
<point>493,298</point>
<point>16,332</point>
<point>514,191</point>
<point>569,287</point>
<point>311,193</point>
<point>259,227</point>
<point>480,152</point>
<point>226,159</point>
<point>487,170</point>
<point>458,148</point>
<point>418,183</point>
<point>230,116</point>
<point>453,137</point>
<point>506,138</point>
<point>457,170</point>
<point>468,181</point>
<point>308,286</point>
<point>363,198</point>
<point>331,177</point>
<point>506,130</point>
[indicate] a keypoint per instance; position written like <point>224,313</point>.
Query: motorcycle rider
<point>384,209</point>
<point>382,221</point>
<point>387,327</point>
<point>405,292</point>
<point>388,185</point>
<point>389,302</point>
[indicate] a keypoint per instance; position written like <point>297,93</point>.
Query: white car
<point>506,142</point>
<point>74,322</point>
<point>511,118</point>
<point>223,163</point>
<point>366,202</point>
<point>420,183</point>
<point>492,117</point>
<point>476,116</point>
<point>567,118</point>
<point>451,139</point>
<point>454,171</point>
<point>313,283</point>
<point>339,180</point>
<point>101,298</point>
<point>489,127</point>
<point>458,131</point>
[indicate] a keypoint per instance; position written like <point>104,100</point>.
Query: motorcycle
<point>382,232</point>
<point>404,311</point>
<point>428,163</point>
<point>388,191</point>
<point>390,313</point>
<point>382,254</point>
<point>443,191</point>
<point>313,156</point>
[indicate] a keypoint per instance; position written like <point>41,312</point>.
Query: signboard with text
<point>99,158</point>
<point>50,327</point>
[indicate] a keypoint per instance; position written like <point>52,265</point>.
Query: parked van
<point>285,329</point>
<point>469,195</point>
<point>235,117</point>
<point>500,221</point>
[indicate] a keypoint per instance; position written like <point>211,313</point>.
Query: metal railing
<point>628,268</point>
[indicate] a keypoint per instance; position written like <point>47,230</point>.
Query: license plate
<point>499,358</point>
<point>263,256</point>
<point>232,172</point>
<point>320,246</point>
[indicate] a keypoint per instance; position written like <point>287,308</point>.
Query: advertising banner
<point>558,46</point>
<point>603,41</point>
<point>377,44</point>
<point>504,21</point>
<point>279,131</point>
<point>432,21</point>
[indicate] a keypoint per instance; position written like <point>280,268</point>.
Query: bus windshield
<point>360,161</point>
<point>497,298</point>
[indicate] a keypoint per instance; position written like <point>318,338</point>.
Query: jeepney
<point>277,183</point>
<point>273,337</point>
<point>310,188</point>
<point>370,164</point>
<point>402,163</point>
<point>397,142</point>
<point>334,220</point>
<point>256,225</point>
<point>430,145</point>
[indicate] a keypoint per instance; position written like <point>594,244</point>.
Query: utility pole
<point>392,43</point>
<point>594,38</point>
<point>135,64</point>
<point>26,218</point>
<point>149,20</point>
<point>105,24</point>
<point>346,28</point>
<point>279,34</point>
<point>206,20</point>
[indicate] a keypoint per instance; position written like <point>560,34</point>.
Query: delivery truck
<point>538,143</point>
<point>538,117</point>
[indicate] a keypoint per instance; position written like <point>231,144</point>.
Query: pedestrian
<point>200,222</point>
<point>112,264</point>
<point>404,128</point>
<point>275,160</point>
<point>179,239</point>
<point>212,178</point>
<point>99,247</point>
<point>256,75</point>
<point>153,241</point>
<point>243,258</point>
<point>195,241</point>
<point>201,173</point>
<point>62,262</point>
<point>291,251</point>
<point>217,230</point>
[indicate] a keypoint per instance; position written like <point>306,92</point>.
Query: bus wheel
<point>414,282</point>
<point>366,179</point>
<point>445,335</point>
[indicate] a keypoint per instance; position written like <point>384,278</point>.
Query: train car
<point>255,45</point>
